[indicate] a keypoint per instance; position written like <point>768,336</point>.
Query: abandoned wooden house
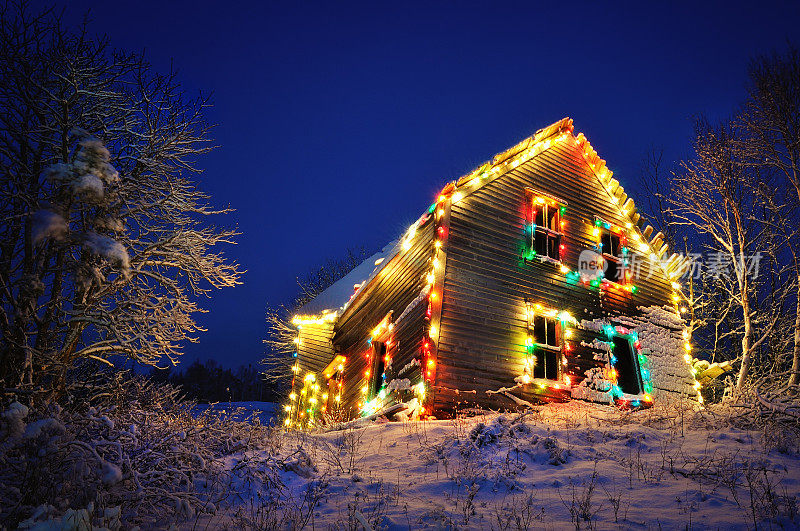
<point>533,278</point>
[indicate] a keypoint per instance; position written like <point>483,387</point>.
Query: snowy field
<point>561,466</point>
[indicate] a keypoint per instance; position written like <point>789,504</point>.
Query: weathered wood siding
<point>396,286</point>
<point>315,349</point>
<point>484,325</point>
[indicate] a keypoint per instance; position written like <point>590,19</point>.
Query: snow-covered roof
<point>338,294</point>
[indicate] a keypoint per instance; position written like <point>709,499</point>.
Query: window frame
<point>557,349</point>
<point>619,260</point>
<point>535,201</point>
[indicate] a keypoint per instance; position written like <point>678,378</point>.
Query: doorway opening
<point>378,366</point>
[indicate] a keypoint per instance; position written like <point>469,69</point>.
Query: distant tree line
<point>208,381</point>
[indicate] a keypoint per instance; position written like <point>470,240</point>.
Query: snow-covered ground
<point>557,467</point>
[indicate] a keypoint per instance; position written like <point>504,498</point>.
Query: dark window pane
<point>551,365</point>
<point>627,366</point>
<point>605,241</point>
<point>552,247</point>
<point>538,364</point>
<point>612,270</point>
<point>610,242</point>
<point>546,364</point>
<point>539,329</point>
<point>378,364</point>
<point>552,218</point>
<point>551,333</point>
<point>540,243</point>
<point>538,217</point>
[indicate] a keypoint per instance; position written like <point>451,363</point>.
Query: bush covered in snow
<point>128,450</point>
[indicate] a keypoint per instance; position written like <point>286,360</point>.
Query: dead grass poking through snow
<point>575,465</point>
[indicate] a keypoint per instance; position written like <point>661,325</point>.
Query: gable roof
<point>543,139</point>
<point>337,296</point>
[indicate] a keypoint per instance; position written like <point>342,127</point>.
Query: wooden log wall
<point>487,279</point>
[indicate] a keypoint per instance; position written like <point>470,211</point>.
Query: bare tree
<point>104,243</point>
<point>655,178</point>
<point>770,121</point>
<point>318,280</point>
<point>714,197</point>
<point>281,333</point>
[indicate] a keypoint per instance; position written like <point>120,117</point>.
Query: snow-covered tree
<point>105,243</point>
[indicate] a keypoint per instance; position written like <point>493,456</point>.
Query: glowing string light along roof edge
<point>336,296</point>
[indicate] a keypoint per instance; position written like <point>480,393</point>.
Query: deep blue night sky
<point>339,124</point>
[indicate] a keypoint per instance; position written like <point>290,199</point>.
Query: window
<point>378,366</point>
<point>547,355</point>
<point>611,247</point>
<point>546,227</point>
<point>544,331</point>
<point>628,376</point>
